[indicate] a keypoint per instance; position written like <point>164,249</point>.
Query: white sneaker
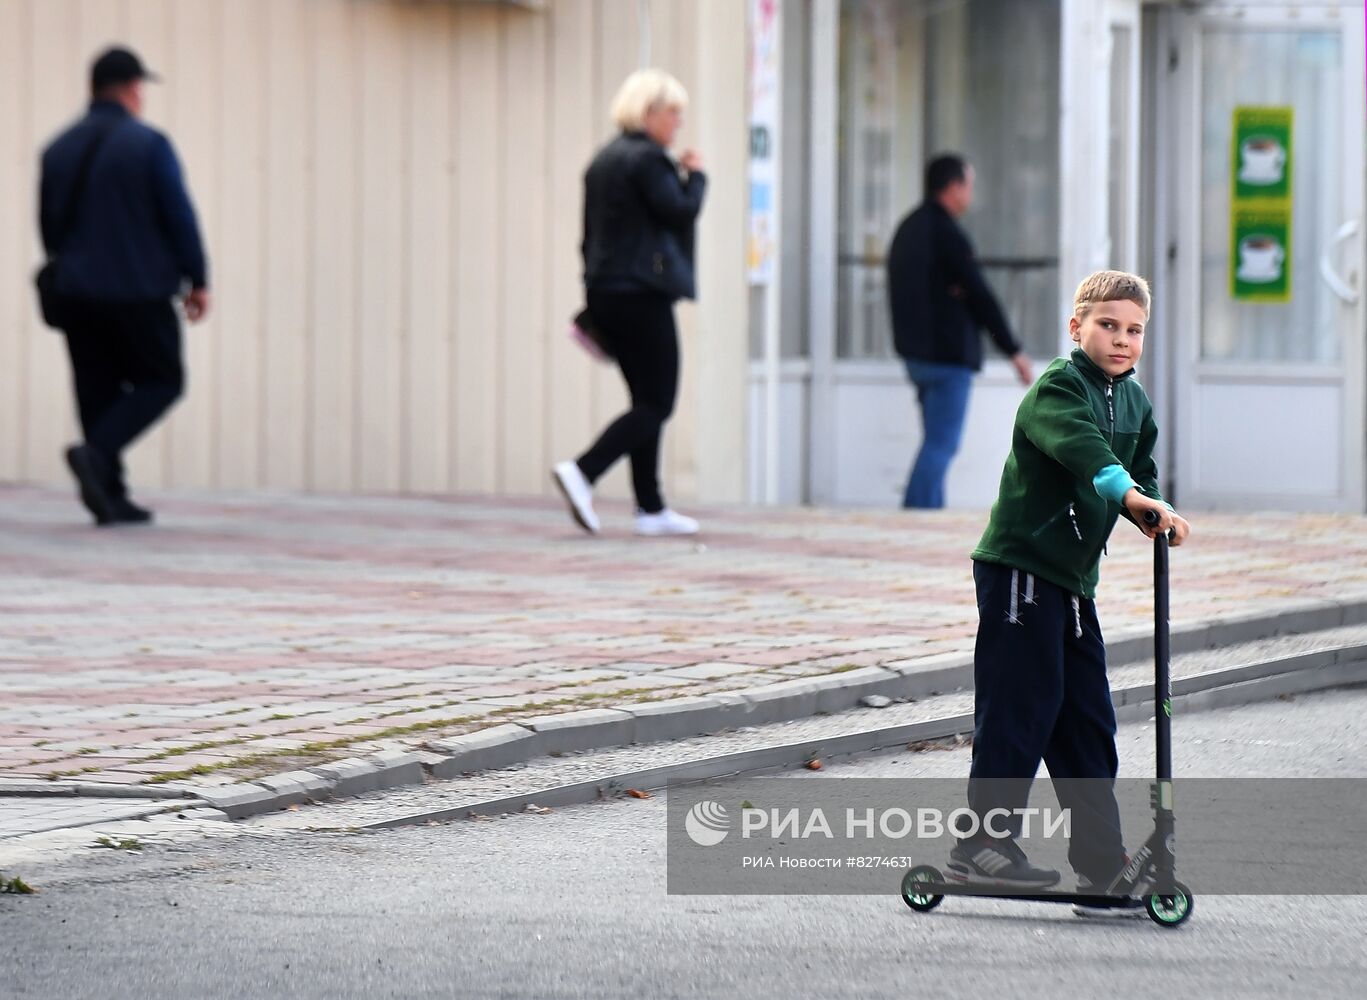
<point>665,522</point>
<point>578,494</point>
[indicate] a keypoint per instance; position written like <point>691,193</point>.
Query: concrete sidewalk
<point>249,636</point>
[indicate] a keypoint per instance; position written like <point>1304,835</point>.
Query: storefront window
<point>978,77</point>
<point>1122,139</point>
<point>1262,298</point>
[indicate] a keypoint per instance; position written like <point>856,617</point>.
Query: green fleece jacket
<point>1073,422</point>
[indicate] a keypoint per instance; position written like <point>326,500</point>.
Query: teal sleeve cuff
<point>1113,482</point>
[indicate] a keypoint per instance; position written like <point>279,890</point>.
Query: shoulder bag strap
<point>73,202</point>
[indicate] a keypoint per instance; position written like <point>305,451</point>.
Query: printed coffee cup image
<point>1262,159</point>
<point>1260,258</point>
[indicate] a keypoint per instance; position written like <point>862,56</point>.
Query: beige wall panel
<point>237,343</point>
<point>673,45</point>
<point>479,246</point>
<point>526,324</point>
<point>194,75</point>
<point>147,29</point>
<point>383,245</point>
<point>16,233</point>
<point>720,346</point>
<point>391,198</point>
<point>574,128</point>
<point>427,377</point>
<point>427,383</point>
<point>56,97</point>
<point>99,24</point>
<point>618,31</point>
<point>333,247</point>
<point>286,271</point>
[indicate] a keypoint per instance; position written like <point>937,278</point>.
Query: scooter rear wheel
<point>915,888</point>
<point>1171,910</point>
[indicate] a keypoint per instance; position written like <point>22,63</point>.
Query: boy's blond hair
<point>1109,286</point>
<point>641,91</point>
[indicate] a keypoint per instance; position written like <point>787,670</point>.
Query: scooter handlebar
<point>1151,518</point>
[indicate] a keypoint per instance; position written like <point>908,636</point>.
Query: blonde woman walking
<point>640,207</point>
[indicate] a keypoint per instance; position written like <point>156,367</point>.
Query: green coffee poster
<point>1261,254</point>
<point>1260,206</point>
<point>1262,153</point>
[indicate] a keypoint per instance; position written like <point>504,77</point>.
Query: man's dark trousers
<point>1041,693</point>
<point>126,364</point>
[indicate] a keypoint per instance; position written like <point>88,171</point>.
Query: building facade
<point>390,191</point>
<point>391,194</point>
<point>1216,147</point>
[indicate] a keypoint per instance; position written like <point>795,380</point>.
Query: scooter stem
<point>1162,681</point>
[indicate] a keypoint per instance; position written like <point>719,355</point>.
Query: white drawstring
<point>1077,618</point>
<point>1011,611</point>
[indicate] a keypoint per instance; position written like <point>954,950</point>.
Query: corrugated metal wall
<point>391,195</point>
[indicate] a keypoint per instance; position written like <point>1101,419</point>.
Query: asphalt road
<point>572,904</point>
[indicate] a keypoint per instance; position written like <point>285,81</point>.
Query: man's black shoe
<point>88,468</point>
<point>125,511</point>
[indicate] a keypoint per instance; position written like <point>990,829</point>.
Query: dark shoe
<point>1107,905</point>
<point>89,469</point>
<point>125,511</point>
<point>997,863</point>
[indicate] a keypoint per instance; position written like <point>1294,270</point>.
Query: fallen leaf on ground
<point>814,764</point>
<point>636,793</point>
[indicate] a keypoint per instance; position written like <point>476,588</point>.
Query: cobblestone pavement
<point>246,635</point>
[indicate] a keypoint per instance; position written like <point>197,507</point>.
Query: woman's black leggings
<point>639,327</point>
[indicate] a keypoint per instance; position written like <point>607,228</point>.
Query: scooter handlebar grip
<point>1151,518</point>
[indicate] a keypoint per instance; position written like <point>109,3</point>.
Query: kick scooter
<point>1147,879</point>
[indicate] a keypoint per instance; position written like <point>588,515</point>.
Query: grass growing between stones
<point>122,844</point>
<point>14,884</point>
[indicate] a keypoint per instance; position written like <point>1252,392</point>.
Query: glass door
<point>1269,362</point>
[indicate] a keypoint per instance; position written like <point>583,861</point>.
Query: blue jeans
<point>942,391</point>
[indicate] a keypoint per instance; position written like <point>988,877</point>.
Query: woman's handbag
<point>589,337</point>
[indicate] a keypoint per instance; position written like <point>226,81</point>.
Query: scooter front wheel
<point>916,885</point>
<point>1170,910</point>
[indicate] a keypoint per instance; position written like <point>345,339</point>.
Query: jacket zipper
<point>1071,511</point>
<point>1110,411</point>
<point>1110,405</point>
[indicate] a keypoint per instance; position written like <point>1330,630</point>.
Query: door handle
<point>1343,289</point>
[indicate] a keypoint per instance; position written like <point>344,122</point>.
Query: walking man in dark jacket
<point>939,303</point>
<point>118,223</point>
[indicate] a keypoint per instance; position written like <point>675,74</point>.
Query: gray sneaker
<point>997,863</point>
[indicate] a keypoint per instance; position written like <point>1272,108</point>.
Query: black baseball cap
<point>116,66</point>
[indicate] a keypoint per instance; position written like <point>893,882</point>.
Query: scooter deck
<point>1036,896</point>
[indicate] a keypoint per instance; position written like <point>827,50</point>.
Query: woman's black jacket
<point>639,215</point>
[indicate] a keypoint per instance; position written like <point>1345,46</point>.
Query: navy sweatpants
<point>1041,693</point>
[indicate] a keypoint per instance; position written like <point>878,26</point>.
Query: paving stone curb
<point>1218,689</point>
<point>87,789</point>
<point>594,729</point>
<point>1302,616</point>
<point>339,779</point>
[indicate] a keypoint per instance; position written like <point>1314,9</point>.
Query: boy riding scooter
<point>1081,456</point>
